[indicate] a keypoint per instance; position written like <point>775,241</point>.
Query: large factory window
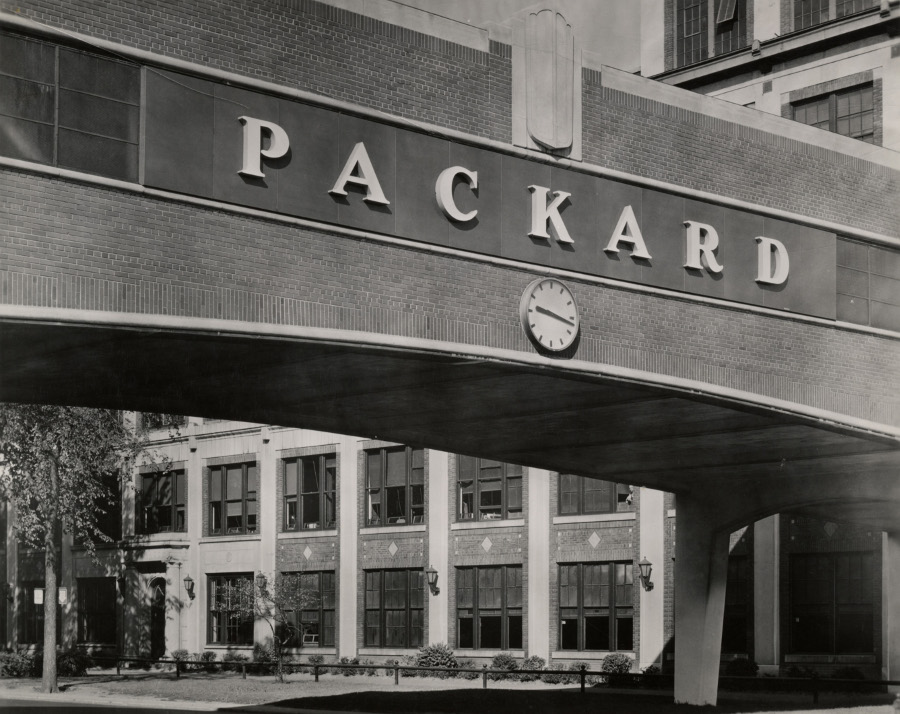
<point>580,495</point>
<point>232,499</point>
<point>395,608</point>
<point>488,490</point>
<point>849,112</point>
<point>489,607</point>
<point>309,492</point>
<point>596,606</point>
<point>395,486</point>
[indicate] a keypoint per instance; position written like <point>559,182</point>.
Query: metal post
<point>582,675</point>
<point>396,674</point>
<point>316,671</point>
<point>177,669</point>
<point>243,671</point>
<point>484,677</point>
<point>118,668</point>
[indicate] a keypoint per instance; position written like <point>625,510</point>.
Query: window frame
<point>413,509</point>
<point>94,608</point>
<point>376,613</point>
<point>722,27</point>
<point>616,611</point>
<point>325,613</point>
<point>470,474</point>
<point>832,101</point>
<point>219,630</point>
<point>510,638</point>
<point>223,501</point>
<point>827,10</point>
<point>177,507</point>
<point>612,496</point>
<point>321,494</point>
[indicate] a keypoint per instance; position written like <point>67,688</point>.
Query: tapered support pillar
<point>891,609</point>
<point>701,567</point>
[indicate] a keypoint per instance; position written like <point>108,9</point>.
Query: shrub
<point>590,679</point>
<point>616,663</point>
<point>207,661</point>
<point>409,661</point>
<point>466,664</point>
<point>232,661</point>
<point>741,668</point>
<point>73,663</point>
<point>652,669</point>
<point>181,655</point>
<point>533,662</point>
<point>437,655</point>
<point>16,664</point>
<point>503,661</point>
<point>798,672</point>
<point>847,673</point>
<point>369,671</point>
<point>349,671</point>
<point>390,663</point>
<point>265,654</point>
<point>555,675</point>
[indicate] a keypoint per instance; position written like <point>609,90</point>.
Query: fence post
<point>815,687</point>
<point>243,671</point>
<point>316,671</point>
<point>118,667</point>
<point>177,669</point>
<point>582,675</point>
<point>396,674</point>
<point>484,677</point>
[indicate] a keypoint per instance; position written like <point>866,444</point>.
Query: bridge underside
<point>685,442</point>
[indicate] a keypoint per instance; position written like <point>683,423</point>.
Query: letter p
<point>253,138</point>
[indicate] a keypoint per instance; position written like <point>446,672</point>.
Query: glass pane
<point>396,467</point>
<point>513,586</point>
<point>311,511</point>
<point>179,487</point>
<point>290,478</point>
<point>465,630</point>
<point>164,491</point>
<point>290,514</point>
<point>234,482</point>
<point>252,479</point>
<point>514,631</point>
<point>373,589</point>
<point>215,484</point>
<point>489,631</point>
<point>489,499</point>
<point>310,476</point>
<point>27,100</point>
<point>99,155</point>
<point>330,473</point>
<point>593,584</point>
<point>513,496</point>
<point>466,467</point>
<point>395,628</point>
<point>373,469</point>
<point>373,628</point>
<point>568,493</point>
<point>465,588</point>
<point>95,115</point>
<point>251,516</point>
<point>596,632</point>
<point>568,633</point>
<point>215,517</point>
<point>20,139</point>
<point>395,589</point>
<point>855,633</point>
<point>624,631</point>
<point>396,504</point>
<point>27,58</point>
<point>568,586</point>
<point>329,510</point>
<point>489,587</point>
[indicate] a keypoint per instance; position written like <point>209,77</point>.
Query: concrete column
<point>652,529</point>
<point>701,569</point>
<point>538,643</point>
<point>439,543</point>
<point>652,37</point>
<point>267,503</point>
<point>766,603</point>
<point>890,608</point>
<point>766,19</point>
<point>192,612</point>
<point>348,533</point>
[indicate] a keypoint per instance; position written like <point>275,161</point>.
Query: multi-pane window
<point>97,610</point>
<point>395,486</point>
<point>488,490</point>
<point>831,603</point>
<point>309,492</point>
<point>232,499</point>
<point>583,495</point>
<point>68,108</point>
<point>31,624</point>
<point>489,607</point>
<point>730,26</point>
<point>395,608</point>
<point>813,12</point>
<point>851,7</point>
<point>162,502</point>
<point>596,606</point>
<point>692,38</point>
<point>849,112</point>
<point>230,601</point>
<point>737,619</point>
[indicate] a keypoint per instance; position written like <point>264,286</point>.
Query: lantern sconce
<point>646,568</point>
<point>189,586</point>
<point>432,575</point>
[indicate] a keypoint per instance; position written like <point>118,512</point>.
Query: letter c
<point>443,192</point>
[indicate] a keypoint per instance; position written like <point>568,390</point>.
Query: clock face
<point>549,314</point>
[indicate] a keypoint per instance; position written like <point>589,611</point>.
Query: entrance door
<point>157,618</point>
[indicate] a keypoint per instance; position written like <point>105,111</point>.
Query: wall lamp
<point>189,586</point>
<point>432,575</point>
<point>646,568</point>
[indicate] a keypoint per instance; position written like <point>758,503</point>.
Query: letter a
<point>358,170</point>
<point>769,248</point>
<point>628,231</point>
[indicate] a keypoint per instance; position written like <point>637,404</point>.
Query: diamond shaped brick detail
<point>594,540</point>
<point>307,553</point>
<point>486,544</point>
<point>830,528</point>
<point>392,549</point>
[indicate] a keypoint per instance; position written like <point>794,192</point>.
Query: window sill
<point>463,652</point>
<point>595,518</point>
<point>588,655</point>
<point>309,533</point>
<point>226,647</point>
<point>231,538</point>
<point>166,536</point>
<point>472,525</point>
<point>411,528</point>
<point>829,659</point>
<point>388,651</point>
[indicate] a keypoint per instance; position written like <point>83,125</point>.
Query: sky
<point>608,28</point>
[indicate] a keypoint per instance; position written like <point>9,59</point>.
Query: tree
<point>59,468</point>
<point>277,601</point>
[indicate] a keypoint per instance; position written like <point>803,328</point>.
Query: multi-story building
<point>527,561</point>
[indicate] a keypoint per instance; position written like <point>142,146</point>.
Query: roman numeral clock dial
<point>549,315</point>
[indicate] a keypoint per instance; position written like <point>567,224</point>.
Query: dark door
<point>158,618</point>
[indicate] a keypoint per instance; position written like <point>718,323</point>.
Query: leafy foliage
<point>556,674</point>
<point>616,663</point>
<point>505,661</point>
<point>437,655</point>
<point>741,668</point>
<point>16,664</point>
<point>533,662</point>
<point>467,664</point>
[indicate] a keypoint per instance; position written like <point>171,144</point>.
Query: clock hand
<point>545,311</point>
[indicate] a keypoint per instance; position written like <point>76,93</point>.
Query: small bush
<point>616,663</point>
<point>503,661</point>
<point>409,661</point>
<point>533,662</point>
<point>796,672</point>
<point>181,655</point>
<point>16,664</point>
<point>652,669</point>
<point>73,663</point>
<point>437,655</point>
<point>368,671</point>
<point>265,654</point>
<point>590,679</point>
<point>207,661</point>
<point>466,664</point>
<point>390,663</point>
<point>555,675</point>
<point>741,668</point>
<point>847,673</point>
<point>349,671</point>
<point>231,661</point>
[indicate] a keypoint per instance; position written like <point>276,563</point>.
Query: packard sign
<point>280,155</point>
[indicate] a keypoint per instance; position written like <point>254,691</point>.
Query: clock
<point>549,314</point>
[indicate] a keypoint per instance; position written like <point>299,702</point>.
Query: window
<point>232,499</point>
<point>705,28</point>
<point>596,606</point>
<point>691,28</point>
<point>730,27</point>
<point>814,12</point>
<point>83,115</point>
<point>851,7</point>
<point>831,603</point>
<point>316,625</point>
<point>109,508</point>
<point>582,495</point>
<point>738,607</point>
<point>97,610</point>
<point>488,490</point>
<point>230,602</point>
<point>31,625</point>
<point>489,607</point>
<point>309,488</point>
<point>162,502</point>
<point>395,608</point>
<point>395,486</point>
<point>849,112</point>
<point>162,420</point>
